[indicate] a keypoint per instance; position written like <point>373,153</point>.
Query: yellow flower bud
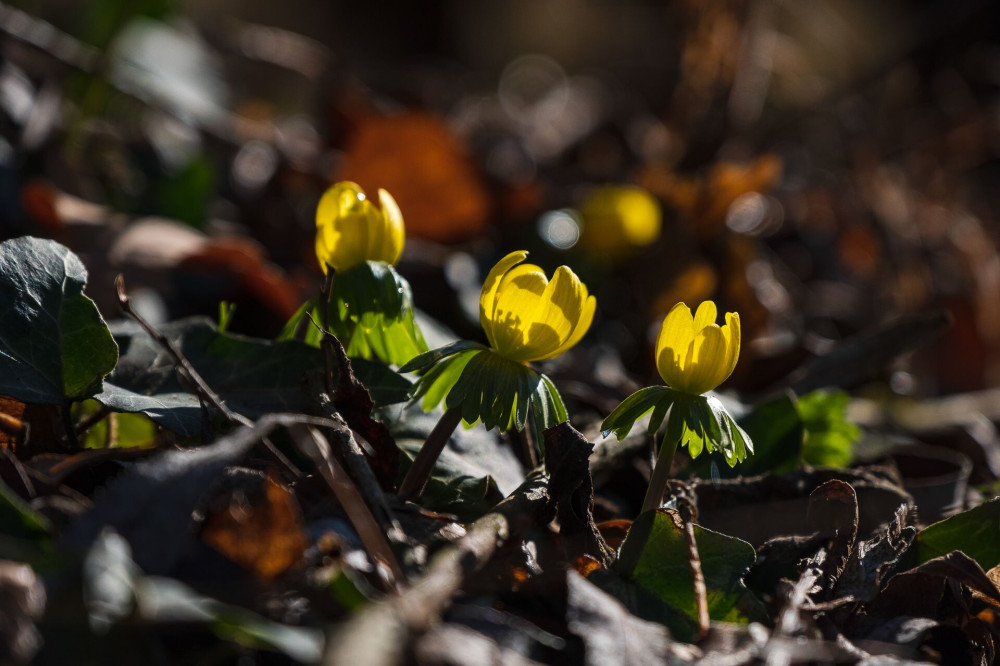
<point>529,318</point>
<point>350,229</point>
<point>694,354</point>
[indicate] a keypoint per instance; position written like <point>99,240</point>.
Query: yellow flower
<point>350,229</point>
<point>529,318</point>
<point>617,218</point>
<point>694,354</point>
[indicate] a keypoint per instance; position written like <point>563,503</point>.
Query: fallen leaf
<point>260,530</point>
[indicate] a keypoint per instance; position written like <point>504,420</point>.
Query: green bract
<point>486,386</point>
<point>371,312</point>
<point>698,421</point>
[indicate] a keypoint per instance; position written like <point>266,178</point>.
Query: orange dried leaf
<point>263,534</point>
<point>416,157</point>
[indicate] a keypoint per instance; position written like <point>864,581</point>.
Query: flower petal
<point>519,307</point>
<point>705,315</point>
<point>705,367</point>
<point>580,328</point>
<point>672,343</point>
<point>488,296</point>
<point>731,329</point>
<point>394,235</point>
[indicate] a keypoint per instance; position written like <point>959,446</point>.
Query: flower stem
<point>661,474</point>
<point>416,478</point>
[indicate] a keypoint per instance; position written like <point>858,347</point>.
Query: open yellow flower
<point>526,316</point>
<point>694,354</point>
<point>350,229</point>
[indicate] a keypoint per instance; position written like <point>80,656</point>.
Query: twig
<point>326,294</point>
<point>201,387</point>
<point>316,447</point>
<point>698,576</point>
<point>378,634</point>
<point>423,464</point>
<point>359,468</point>
<point>85,424</point>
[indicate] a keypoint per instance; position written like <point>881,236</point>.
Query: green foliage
<point>776,430</point>
<point>829,436</point>
<point>186,194</point>
<point>226,312</point>
<point>129,430</point>
<point>699,422</point>
<point>487,386</point>
<point>654,555</point>
<point>975,532</point>
<point>371,313</point>
<point>54,345</point>
<point>253,376</point>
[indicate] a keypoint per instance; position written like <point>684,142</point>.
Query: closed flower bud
<point>350,229</point>
<point>694,354</point>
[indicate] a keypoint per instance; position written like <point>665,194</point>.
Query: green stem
<point>661,474</point>
<point>416,478</point>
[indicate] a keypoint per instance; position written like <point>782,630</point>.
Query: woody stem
<point>416,477</point>
<point>661,474</point>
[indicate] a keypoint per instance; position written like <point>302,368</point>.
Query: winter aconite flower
<point>350,229</point>
<point>618,219</point>
<point>694,354</point>
<point>528,317</point>
<point>370,304</point>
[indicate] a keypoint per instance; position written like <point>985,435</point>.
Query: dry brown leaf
<point>261,532</point>
<point>425,168</point>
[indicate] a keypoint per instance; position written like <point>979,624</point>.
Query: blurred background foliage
<point>821,168</point>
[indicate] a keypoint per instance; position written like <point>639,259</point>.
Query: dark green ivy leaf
<point>54,345</point>
<point>253,376</point>
<point>654,555</point>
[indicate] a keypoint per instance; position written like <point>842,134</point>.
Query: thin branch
<point>85,424</point>
<point>316,447</point>
<point>359,469</point>
<point>203,390</point>
<point>698,576</point>
<point>326,294</point>
<point>378,635</point>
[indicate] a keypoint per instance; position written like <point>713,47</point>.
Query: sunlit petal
<point>395,231</point>
<point>488,297</point>
<point>705,315</point>
<point>694,354</point>
<point>675,336</point>
<point>706,365</point>
<point>528,317</point>
<point>350,229</point>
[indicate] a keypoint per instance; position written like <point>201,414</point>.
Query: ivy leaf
<point>253,376</point>
<point>654,555</point>
<point>54,345</point>
<point>975,532</point>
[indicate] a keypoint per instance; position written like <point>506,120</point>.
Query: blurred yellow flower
<point>694,354</point>
<point>617,218</point>
<point>530,318</point>
<point>350,229</point>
